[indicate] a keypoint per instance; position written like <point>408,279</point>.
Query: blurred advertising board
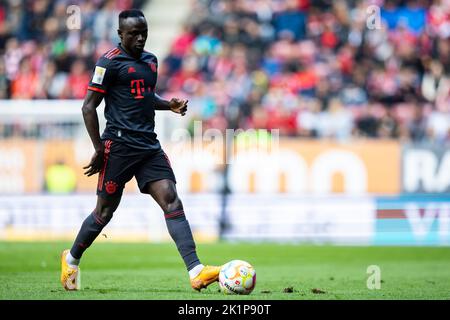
<point>20,165</point>
<point>405,220</point>
<point>138,218</point>
<point>412,220</point>
<point>320,167</point>
<point>294,167</point>
<point>426,169</point>
<point>313,219</point>
<point>343,220</point>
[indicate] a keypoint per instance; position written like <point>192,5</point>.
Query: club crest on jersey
<point>110,187</point>
<point>152,66</point>
<point>131,70</point>
<point>99,74</point>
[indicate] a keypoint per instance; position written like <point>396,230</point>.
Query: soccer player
<point>126,77</point>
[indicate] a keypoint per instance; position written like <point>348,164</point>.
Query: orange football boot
<point>208,275</point>
<point>70,277</point>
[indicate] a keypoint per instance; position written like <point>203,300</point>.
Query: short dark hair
<point>131,13</point>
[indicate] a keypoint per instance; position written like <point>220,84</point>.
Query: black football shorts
<point>122,162</point>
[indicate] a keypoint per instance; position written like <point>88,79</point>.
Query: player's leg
<point>117,171</point>
<point>156,178</point>
<point>90,229</point>
<point>93,225</point>
<point>165,194</point>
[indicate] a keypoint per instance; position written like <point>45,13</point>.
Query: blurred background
<point>354,97</point>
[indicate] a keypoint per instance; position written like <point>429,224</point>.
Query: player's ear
<point>119,32</point>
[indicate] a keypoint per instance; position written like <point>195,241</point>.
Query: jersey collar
<point>127,55</point>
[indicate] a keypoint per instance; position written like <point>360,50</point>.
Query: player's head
<point>133,30</point>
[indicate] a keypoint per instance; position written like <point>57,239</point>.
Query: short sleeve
<point>103,75</point>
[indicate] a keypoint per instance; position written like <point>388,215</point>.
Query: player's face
<point>133,34</point>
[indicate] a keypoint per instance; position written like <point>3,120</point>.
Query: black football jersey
<point>128,86</point>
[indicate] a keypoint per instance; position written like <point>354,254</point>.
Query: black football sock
<point>180,231</point>
<point>90,229</point>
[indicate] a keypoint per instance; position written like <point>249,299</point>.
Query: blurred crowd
<point>45,55</point>
<point>317,69</point>
<point>322,68</point>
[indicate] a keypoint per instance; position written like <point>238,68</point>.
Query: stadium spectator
<point>77,81</point>
<point>4,82</point>
<point>291,19</point>
<point>60,178</point>
<point>26,81</point>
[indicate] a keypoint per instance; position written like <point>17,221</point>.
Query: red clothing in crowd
<point>25,85</point>
<point>77,86</point>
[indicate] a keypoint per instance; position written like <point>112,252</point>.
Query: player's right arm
<point>103,76</point>
<point>89,109</point>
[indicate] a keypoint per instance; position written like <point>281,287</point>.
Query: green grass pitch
<point>155,271</point>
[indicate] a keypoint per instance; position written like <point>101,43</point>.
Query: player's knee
<point>105,212</point>
<point>173,203</point>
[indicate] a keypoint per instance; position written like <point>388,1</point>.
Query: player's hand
<point>96,163</point>
<point>178,106</point>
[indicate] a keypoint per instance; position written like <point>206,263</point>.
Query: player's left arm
<point>175,105</point>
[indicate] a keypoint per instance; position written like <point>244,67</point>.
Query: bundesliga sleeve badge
<point>99,74</point>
